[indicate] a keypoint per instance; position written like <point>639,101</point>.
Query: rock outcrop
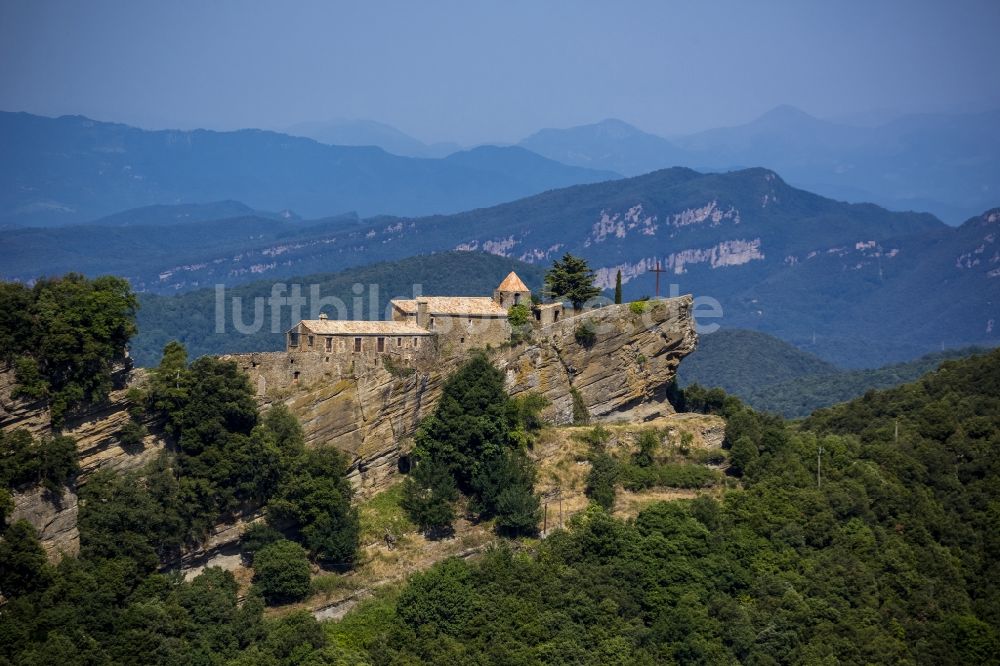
<point>95,431</point>
<point>371,413</point>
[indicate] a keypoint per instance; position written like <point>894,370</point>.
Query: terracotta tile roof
<point>453,305</point>
<point>512,283</point>
<point>349,327</point>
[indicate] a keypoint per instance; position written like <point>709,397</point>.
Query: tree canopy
<point>571,278</point>
<point>65,336</point>
<point>476,435</point>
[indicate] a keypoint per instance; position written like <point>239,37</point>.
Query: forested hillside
<point>738,361</point>
<point>887,555</point>
<point>773,376</point>
<point>862,285</point>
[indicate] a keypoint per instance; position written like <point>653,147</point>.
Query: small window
<point>329,344</point>
<point>461,340</point>
<point>399,342</point>
<point>380,342</point>
<point>295,377</point>
<point>517,299</point>
<point>310,342</point>
<point>293,339</point>
<point>431,325</point>
<point>357,344</point>
<point>415,342</point>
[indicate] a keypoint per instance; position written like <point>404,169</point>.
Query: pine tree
<point>429,495</point>
<point>571,278</point>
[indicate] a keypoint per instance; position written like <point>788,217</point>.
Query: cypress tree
<point>618,288</point>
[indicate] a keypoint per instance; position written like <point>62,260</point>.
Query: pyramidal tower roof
<point>512,283</point>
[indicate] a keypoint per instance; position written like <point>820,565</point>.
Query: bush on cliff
<point>64,337</point>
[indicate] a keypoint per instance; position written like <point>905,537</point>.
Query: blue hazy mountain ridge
<point>870,286</point>
<point>166,214</point>
<point>946,164</point>
<point>359,132</point>
<point>612,143</point>
<point>72,169</point>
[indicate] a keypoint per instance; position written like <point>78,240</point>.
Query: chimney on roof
<point>422,312</point>
<point>322,316</point>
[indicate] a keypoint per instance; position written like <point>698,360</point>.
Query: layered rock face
<point>95,431</point>
<point>371,412</point>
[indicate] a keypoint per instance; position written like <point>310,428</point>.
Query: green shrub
<point>596,437</point>
<point>638,307</point>
<point>668,475</point>
<point>50,461</point>
<point>519,315</point>
<point>281,572</point>
<point>396,370</point>
<point>585,334</point>
<point>580,414</point>
<point>687,439</point>
<point>256,537</point>
<point>709,456</point>
<point>429,495</point>
<point>131,434</point>
<point>649,442</point>
<point>601,480</point>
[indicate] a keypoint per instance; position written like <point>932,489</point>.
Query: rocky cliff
<point>95,431</point>
<point>371,413</point>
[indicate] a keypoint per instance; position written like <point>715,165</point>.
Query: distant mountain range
<point>72,170</point>
<point>855,284</point>
<point>371,133</point>
<point>948,165</point>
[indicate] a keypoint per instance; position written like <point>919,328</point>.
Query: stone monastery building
<point>424,326</point>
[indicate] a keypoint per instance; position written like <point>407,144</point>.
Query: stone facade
<point>457,323</point>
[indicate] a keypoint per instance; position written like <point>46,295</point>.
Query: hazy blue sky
<point>477,71</point>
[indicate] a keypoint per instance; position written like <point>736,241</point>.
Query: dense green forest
<point>191,317</point>
<point>773,376</point>
<point>887,554</point>
<point>863,534</point>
